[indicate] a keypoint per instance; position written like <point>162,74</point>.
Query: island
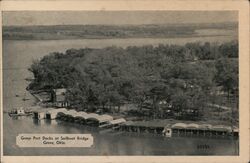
<point>147,85</point>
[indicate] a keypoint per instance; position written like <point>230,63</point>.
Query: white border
<point>119,5</point>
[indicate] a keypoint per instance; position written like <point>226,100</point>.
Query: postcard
<point>125,81</point>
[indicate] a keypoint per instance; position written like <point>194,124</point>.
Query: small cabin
<point>58,97</point>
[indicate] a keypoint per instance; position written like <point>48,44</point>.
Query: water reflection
<point>18,56</point>
<point>50,122</point>
<point>36,121</point>
<point>17,117</point>
<point>44,122</point>
<point>108,143</point>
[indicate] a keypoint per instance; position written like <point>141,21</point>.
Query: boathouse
<point>81,117</point>
<point>221,130</point>
<point>178,128</point>
<point>70,115</point>
<point>97,120</point>
<point>142,126</point>
<point>40,114</point>
<point>192,129</point>
<point>52,114</point>
<point>92,119</point>
<point>205,129</point>
<point>114,124</point>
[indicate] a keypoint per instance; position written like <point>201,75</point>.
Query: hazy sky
<point>116,17</point>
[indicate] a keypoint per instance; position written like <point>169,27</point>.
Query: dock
<point>167,129</point>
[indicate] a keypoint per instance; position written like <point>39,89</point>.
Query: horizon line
<point>17,25</point>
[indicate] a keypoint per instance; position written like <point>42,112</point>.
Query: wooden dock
<point>106,122</point>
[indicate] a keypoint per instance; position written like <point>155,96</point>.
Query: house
<point>58,97</point>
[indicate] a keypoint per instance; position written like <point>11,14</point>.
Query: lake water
<point>116,143</point>
<point>18,56</point>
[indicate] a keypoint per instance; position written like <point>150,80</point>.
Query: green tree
<point>227,74</point>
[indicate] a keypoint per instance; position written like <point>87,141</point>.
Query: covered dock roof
<point>99,118</point>
<point>192,126</point>
<point>105,118</point>
<point>93,116</point>
<point>144,124</point>
<point>179,125</point>
<point>63,110</point>
<point>117,121</point>
<point>221,128</point>
<point>128,123</point>
<point>72,113</point>
<point>205,126</point>
<point>83,115</point>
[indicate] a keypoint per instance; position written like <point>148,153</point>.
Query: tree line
<point>184,76</point>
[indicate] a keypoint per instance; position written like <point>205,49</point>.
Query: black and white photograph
<point>139,83</point>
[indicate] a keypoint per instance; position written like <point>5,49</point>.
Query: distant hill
<point>109,31</point>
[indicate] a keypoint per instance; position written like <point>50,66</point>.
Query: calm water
<point>116,143</point>
<point>18,56</point>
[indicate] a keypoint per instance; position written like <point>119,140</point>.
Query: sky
<point>18,18</point>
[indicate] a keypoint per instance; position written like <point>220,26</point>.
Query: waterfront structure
<point>52,114</point>
<point>58,97</point>
<point>20,111</point>
<point>81,117</point>
<point>41,114</point>
<point>117,122</point>
<point>108,122</point>
<point>167,131</point>
<point>97,120</point>
<point>114,124</point>
<point>182,129</point>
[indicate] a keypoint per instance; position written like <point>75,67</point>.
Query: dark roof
<point>60,91</point>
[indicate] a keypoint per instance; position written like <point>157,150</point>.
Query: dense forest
<point>185,77</point>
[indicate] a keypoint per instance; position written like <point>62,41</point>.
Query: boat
<point>19,112</point>
<point>25,99</point>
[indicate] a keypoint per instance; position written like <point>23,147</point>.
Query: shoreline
<point>133,118</point>
<point>235,37</point>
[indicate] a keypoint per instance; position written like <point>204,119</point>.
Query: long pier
<point>102,121</point>
<point>108,122</point>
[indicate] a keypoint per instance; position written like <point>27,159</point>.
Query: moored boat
<point>19,112</point>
